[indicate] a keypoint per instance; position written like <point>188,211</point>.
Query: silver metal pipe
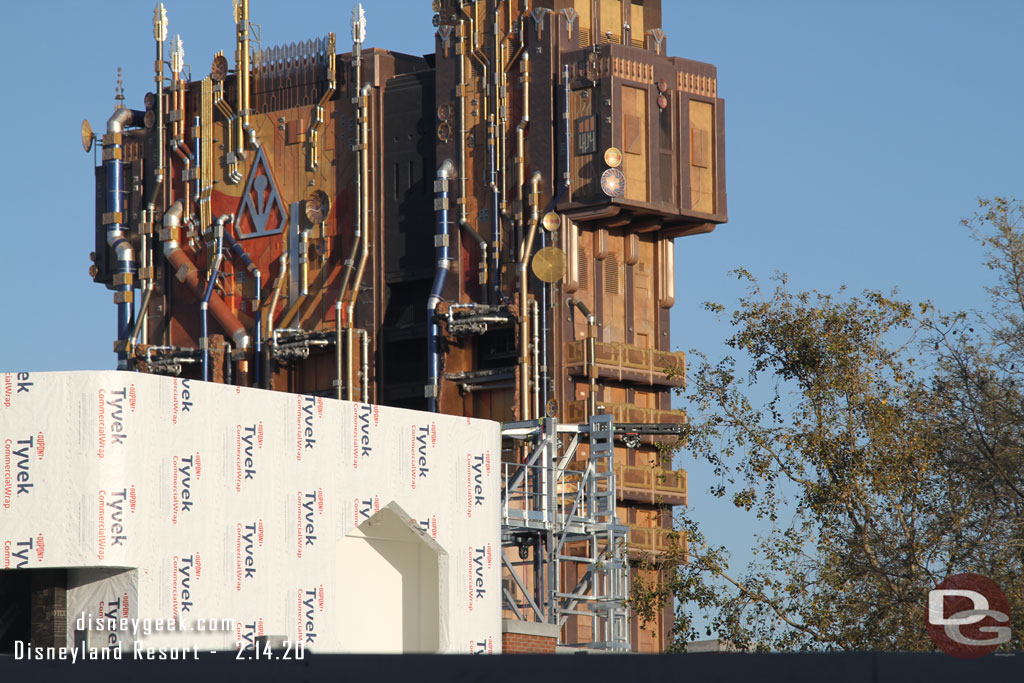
<point>536,358</point>
<point>590,358</point>
<point>339,386</point>
<point>117,237</point>
<point>524,320</point>
<point>204,305</point>
<point>464,223</point>
<point>432,390</point>
<point>364,219</point>
<point>364,376</point>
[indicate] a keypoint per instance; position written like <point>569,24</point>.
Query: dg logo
<point>968,616</point>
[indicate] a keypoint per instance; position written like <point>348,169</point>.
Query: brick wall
<point>521,643</point>
<point>524,637</point>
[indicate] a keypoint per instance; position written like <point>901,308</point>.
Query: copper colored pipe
<point>187,273</point>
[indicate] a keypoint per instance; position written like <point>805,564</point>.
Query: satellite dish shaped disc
<point>612,157</point>
<point>87,135</point>
<point>549,264</point>
<point>613,182</point>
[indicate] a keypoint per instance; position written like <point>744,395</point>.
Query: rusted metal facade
<point>485,231</point>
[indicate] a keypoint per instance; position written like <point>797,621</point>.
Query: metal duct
<point>432,389</point>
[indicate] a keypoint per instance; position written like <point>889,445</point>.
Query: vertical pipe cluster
<point>525,249</point>
<point>460,92</point>
<point>218,257</point>
<point>340,323</point>
<point>113,153</point>
<point>242,62</point>
<point>441,240</point>
<point>363,232</point>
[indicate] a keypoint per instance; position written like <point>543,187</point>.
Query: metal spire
<point>358,24</point>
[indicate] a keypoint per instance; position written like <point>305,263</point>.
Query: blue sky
<point>857,135</point>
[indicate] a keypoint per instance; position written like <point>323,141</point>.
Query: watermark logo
<point>968,616</point>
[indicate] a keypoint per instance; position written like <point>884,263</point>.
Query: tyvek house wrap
<point>195,500</point>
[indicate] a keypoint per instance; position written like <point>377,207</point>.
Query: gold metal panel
<point>636,24</point>
<point>702,163</point>
<point>634,142</point>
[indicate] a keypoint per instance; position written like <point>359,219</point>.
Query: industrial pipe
<point>464,223</point>
<point>441,238</point>
<point>228,379</point>
<point>364,219</point>
<point>338,327</point>
<point>186,272</point>
<point>271,310</point>
<point>524,123</point>
<point>239,251</point>
<point>364,376</point>
<point>357,232</point>
<point>525,250</point>
<point>116,234</point>
<point>204,305</point>
<point>178,147</point>
<point>590,358</point>
<point>495,208</point>
<point>535,326</point>
<point>242,61</point>
<point>566,174</point>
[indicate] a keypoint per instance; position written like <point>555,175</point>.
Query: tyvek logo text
<point>311,602</point>
<point>184,570</point>
<point>14,384</point>
<point>248,440</point>
<point>308,504</point>
<point>17,466</point>
<point>477,467</point>
<point>246,633</point>
<point>248,537</point>
<point>482,647</point>
<point>364,508</point>
<point>420,464</point>
<point>111,418</point>
<point>362,441</point>
<point>111,523</point>
<point>17,553</point>
<point>182,402</point>
<point>479,559</point>
<point>183,496</point>
<point>305,431</point>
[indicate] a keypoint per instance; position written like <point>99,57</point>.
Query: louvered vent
<point>584,37</point>
<point>581,259</point>
<point>611,274</point>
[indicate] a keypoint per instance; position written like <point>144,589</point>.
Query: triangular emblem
<point>261,211</point>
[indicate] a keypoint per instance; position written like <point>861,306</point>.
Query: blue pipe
<point>433,388</point>
<point>116,237</point>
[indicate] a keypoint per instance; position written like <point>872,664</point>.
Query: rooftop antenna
<point>119,92</point>
<point>160,23</point>
<point>358,24</point>
<point>178,55</point>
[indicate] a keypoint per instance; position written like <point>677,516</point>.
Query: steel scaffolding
<point>558,514</point>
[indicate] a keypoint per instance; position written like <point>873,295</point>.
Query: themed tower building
<point>485,231</point>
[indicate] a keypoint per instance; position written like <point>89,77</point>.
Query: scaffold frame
<point>552,502</point>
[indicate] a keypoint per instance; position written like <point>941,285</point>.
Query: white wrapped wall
<point>217,502</point>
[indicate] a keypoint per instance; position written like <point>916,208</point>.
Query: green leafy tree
<point>880,444</point>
